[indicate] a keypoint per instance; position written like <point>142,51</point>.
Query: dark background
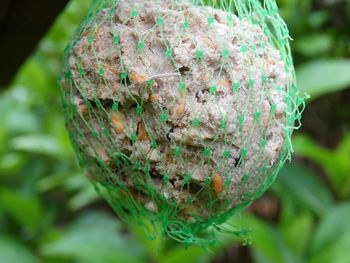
<point>22,24</point>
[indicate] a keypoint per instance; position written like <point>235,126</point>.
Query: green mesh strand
<point>181,112</point>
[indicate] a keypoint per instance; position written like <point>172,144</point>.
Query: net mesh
<point>181,112</point>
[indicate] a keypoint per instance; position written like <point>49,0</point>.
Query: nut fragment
<point>152,97</point>
<point>210,44</point>
<point>101,152</point>
<point>138,78</point>
<point>179,109</point>
<point>204,76</point>
<point>223,83</point>
<point>142,134</point>
<point>217,183</point>
<point>183,196</point>
<point>118,120</point>
<point>83,109</point>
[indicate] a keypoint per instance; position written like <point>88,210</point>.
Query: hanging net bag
<point>181,112</point>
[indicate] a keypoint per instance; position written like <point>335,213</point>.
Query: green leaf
<point>149,239</point>
<point>334,162</point>
<point>305,146</point>
<point>268,241</point>
<point>313,45</point>
<point>40,144</point>
<point>12,251</point>
<point>324,76</point>
<point>20,120</point>
<point>332,239</point>
<point>258,257</point>
<point>95,237</point>
<point>83,198</point>
<point>50,182</point>
<point>336,253</point>
<point>318,18</point>
<point>192,254</point>
<point>304,188</point>
<point>296,228</point>
<point>11,163</point>
<point>25,209</point>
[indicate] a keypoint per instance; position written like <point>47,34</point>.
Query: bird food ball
<point>180,112</point>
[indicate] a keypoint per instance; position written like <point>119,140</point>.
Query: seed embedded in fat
<point>118,120</point>
<point>142,134</point>
<point>181,108</point>
<point>217,183</point>
<point>138,78</point>
<point>152,97</point>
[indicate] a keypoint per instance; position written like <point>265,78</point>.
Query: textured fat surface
<point>213,69</point>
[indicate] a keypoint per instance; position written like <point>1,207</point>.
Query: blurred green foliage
<point>49,212</point>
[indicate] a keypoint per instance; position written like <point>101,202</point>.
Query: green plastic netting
<point>181,112</point>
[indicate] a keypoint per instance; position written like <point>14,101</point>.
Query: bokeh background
<point>49,212</point>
